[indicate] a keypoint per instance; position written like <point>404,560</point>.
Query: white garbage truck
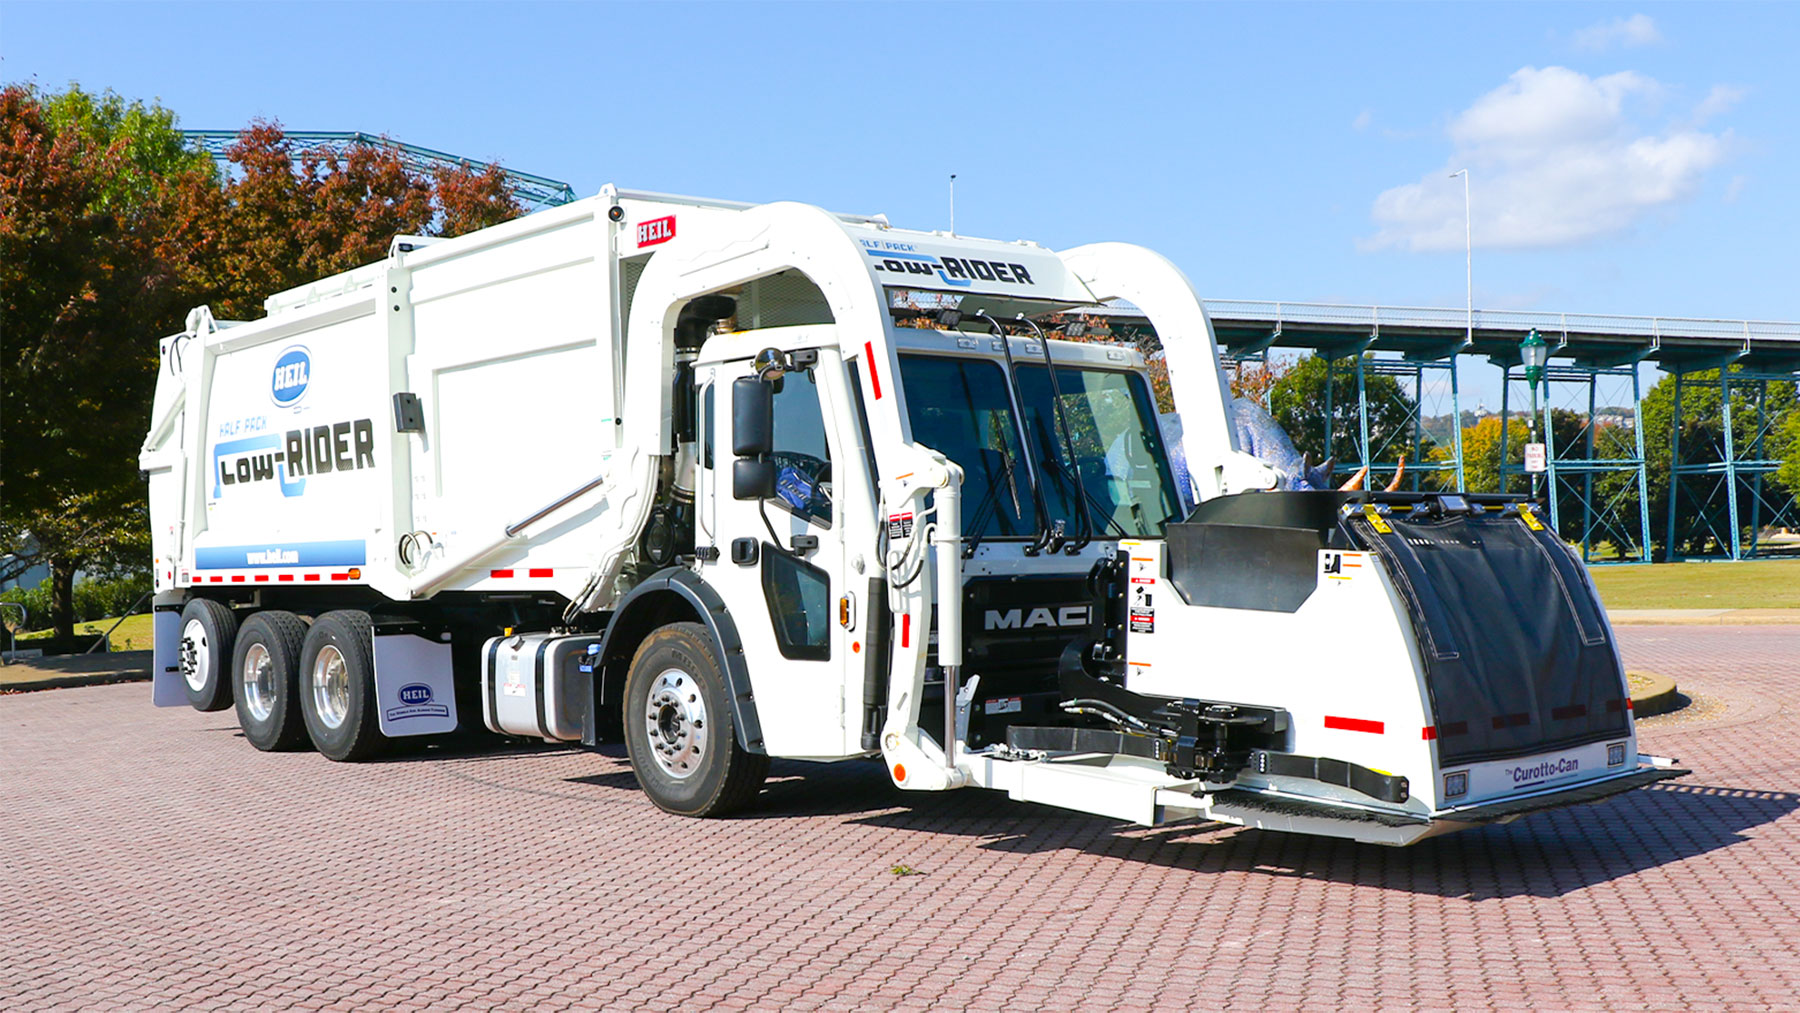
<point>737,482</point>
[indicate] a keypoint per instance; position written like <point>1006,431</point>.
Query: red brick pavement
<point>152,859</point>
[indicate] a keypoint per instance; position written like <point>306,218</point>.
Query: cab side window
<point>802,459</point>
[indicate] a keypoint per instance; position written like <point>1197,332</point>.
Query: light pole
<point>953,203</point>
<point>1468,260</point>
<point>1533,353</point>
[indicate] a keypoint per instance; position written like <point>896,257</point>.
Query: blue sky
<point>1624,158</point>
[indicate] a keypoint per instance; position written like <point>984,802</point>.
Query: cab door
<point>780,562</point>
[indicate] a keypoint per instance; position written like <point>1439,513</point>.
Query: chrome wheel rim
<point>196,655</point>
<point>259,682</point>
<point>675,717</point>
<point>331,687</point>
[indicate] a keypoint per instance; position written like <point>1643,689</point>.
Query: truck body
<point>737,482</point>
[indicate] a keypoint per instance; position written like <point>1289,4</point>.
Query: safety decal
<point>1340,565</point>
<point>900,525</point>
<point>1143,620</point>
<point>1004,705</point>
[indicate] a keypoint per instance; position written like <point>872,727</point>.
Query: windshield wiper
<point>990,502</point>
<point>1044,533</point>
<point>1062,423</point>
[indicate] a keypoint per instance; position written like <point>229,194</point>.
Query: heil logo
<point>415,693</point>
<point>292,372</point>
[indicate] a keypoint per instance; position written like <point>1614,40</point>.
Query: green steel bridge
<point>1598,482</point>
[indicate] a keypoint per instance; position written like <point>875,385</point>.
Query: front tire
<point>337,687</point>
<point>266,668</point>
<point>678,727</point>
<point>208,633</point>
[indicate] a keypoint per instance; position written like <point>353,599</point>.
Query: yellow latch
<point>1376,521</point>
<point>1530,518</point>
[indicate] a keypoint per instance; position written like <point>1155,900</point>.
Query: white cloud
<point>1555,158</point>
<point>1362,121</point>
<point>1718,101</point>
<point>1637,30</point>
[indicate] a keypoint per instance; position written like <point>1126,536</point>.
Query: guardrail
<point>1548,323</point>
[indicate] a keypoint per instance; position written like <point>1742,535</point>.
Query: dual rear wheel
<point>292,683</point>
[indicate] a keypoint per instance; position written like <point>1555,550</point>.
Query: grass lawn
<point>1770,584</point>
<point>134,634</point>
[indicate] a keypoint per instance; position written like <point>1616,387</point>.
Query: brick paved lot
<point>152,859</point>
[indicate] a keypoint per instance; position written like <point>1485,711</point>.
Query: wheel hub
<point>196,655</point>
<point>259,682</point>
<point>675,718</point>
<point>331,687</point>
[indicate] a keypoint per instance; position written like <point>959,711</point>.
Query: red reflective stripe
<point>906,629</point>
<point>874,377</point>
<point>1628,703</point>
<point>499,573</point>
<point>262,578</point>
<point>284,576</point>
<point>540,571</point>
<point>1428,733</point>
<point>311,576</point>
<point>340,576</point>
<point>1354,725</point>
<point>218,580</point>
<point>237,578</point>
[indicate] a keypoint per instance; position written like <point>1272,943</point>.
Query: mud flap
<point>413,685</point>
<point>166,689</point>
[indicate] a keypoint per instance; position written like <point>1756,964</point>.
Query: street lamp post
<point>1533,353</point>
<point>1468,260</point>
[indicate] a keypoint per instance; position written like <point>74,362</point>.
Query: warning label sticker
<point>1143,620</point>
<point>900,525</point>
<point>1004,705</point>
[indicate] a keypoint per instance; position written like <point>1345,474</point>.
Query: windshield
<point>1124,471</point>
<point>961,407</point>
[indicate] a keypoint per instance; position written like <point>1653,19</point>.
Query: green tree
<point>89,186</point>
<point>1297,401</point>
<point>1481,451</point>
<point>111,229</point>
<point>1702,440</point>
<point>1788,444</point>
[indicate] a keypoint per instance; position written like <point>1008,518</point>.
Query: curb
<point>1703,617</point>
<point>1659,697</point>
<point>73,681</point>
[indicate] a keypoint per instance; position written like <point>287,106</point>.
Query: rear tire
<point>337,687</point>
<point>266,674</point>
<point>679,731</point>
<point>208,633</point>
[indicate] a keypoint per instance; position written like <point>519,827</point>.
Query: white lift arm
<point>1156,286</point>
<point>724,252</point>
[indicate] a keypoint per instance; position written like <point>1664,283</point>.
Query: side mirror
<point>752,478</point>
<point>752,438</point>
<point>752,417</point>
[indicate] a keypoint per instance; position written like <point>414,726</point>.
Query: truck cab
<point>809,555</point>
